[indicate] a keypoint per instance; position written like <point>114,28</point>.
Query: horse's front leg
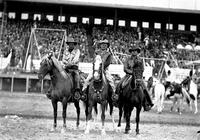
<point>127,113</point>
<point>103,106</point>
<point>111,114</point>
<point>76,103</point>
<point>120,117</point>
<point>196,107</point>
<point>88,113</point>
<point>173,104</point>
<point>137,119</point>
<point>180,104</point>
<point>64,104</point>
<point>54,104</point>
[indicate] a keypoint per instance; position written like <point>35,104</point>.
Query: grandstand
<point>157,27</point>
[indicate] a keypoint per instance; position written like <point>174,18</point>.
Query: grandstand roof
<point>164,5</point>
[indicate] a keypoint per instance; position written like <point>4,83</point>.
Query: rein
<point>102,79</point>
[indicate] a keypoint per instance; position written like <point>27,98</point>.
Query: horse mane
<point>57,64</point>
<point>59,67</point>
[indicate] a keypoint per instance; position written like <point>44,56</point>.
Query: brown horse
<point>130,96</point>
<point>98,92</point>
<point>61,88</point>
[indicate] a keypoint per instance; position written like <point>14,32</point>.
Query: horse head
<point>46,66</point>
<point>97,68</point>
<point>150,82</point>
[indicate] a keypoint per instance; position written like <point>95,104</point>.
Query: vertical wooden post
<point>42,83</point>
<point>12,83</point>
<point>27,84</point>
<point>1,82</point>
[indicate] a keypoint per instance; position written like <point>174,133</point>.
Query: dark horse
<point>98,92</point>
<point>61,88</point>
<point>130,96</point>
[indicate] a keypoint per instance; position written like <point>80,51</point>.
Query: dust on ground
<point>19,128</point>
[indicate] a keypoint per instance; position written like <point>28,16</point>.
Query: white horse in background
<point>179,94</point>
<point>158,90</point>
<point>193,92</point>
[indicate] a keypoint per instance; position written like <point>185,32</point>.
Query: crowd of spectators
<point>154,43</point>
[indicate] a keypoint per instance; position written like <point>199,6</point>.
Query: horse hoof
<point>103,132</point>
<point>87,132</point>
<point>77,128</point>
<point>138,136</point>
<point>118,129</point>
<point>63,130</point>
<point>159,112</point>
<point>53,129</point>
<point>195,112</point>
<point>96,126</point>
<point>127,131</point>
<point>114,128</point>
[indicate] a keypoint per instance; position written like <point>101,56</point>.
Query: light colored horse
<point>193,91</point>
<point>178,100</point>
<point>98,93</point>
<point>159,95</point>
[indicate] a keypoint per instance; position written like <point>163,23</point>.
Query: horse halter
<point>47,64</point>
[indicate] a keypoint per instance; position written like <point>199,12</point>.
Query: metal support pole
<point>29,45</point>
<point>27,84</point>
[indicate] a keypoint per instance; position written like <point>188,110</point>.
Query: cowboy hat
<point>131,49</point>
<point>70,40</point>
<point>105,41</point>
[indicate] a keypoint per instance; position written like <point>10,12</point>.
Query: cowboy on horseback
<point>106,61</point>
<point>70,63</point>
<point>135,64</point>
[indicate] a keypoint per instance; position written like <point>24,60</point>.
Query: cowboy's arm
<point>76,57</point>
<point>126,68</point>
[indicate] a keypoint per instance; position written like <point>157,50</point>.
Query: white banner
<point>5,61</point>
<point>178,74</point>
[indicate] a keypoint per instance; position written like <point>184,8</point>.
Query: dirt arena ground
<point>29,117</point>
<point>19,128</point>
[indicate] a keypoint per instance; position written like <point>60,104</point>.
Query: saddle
<point>71,74</point>
<point>127,81</point>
